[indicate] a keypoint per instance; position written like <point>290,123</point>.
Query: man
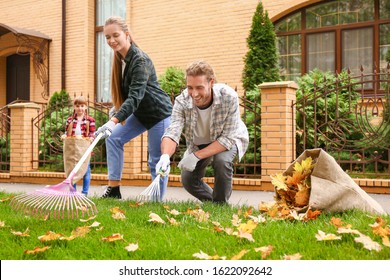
<point>214,132</point>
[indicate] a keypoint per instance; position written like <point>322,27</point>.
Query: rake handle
<point>85,155</point>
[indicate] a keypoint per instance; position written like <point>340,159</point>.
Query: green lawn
<point>208,228</point>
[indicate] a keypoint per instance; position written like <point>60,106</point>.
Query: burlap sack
<point>74,149</point>
<point>332,189</point>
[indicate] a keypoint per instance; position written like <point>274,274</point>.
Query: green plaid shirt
<point>226,125</point>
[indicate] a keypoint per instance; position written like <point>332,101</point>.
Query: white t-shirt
<point>78,128</point>
<point>202,129</point>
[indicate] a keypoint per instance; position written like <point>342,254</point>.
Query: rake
<point>152,192</point>
<point>61,200</point>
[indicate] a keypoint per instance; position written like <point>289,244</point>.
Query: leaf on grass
<point>322,236</point>
<point>94,224</point>
<point>6,199</point>
<point>19,233</point>
<point>312,215</point>
<point>2,224</point>
<point>173,221</point>
<point>386,241</point>
<point>378,228</point>
<point>137,204</point>
<point>265,251</point>
<point>132,247</point>
<point>174,212</point>
<point>49,236</point>
<point>299,217</point>
<point>113,237</point>
<point>67,238</point>
<point>236,221</point>
<point>154,218</point>
<point>265,206</point>
<point>90,218</point>
<point>37,250</point>
<point>203,256</point>
<point>200,215</point>
<point>368,243</point>
<point>81,231</point>
<point>296,256</point>
<point>257,220</point>
<point>244,235</point>
<point>240,255</point>
<point>117,213</point>
<point>279,181</point>
<point>248,212</point>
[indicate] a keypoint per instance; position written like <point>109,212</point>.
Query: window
<point>334,35</point>
<point>104,54</point>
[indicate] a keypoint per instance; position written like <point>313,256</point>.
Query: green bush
<point>173,81</point>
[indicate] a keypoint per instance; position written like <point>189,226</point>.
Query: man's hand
<point>163,165</point>
<point>189,162</point>
<point>107,129</point>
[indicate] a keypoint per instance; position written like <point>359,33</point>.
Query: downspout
<point>63,85</point>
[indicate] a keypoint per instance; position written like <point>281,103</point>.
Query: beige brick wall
<point>172,32</point>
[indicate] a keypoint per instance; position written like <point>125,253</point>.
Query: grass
<point>169,242</point>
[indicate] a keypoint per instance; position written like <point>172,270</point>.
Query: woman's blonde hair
<point>116,73</point>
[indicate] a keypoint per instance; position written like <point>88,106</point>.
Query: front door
<point>18,77</point>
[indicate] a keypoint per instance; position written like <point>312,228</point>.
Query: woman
<point>140,104</point>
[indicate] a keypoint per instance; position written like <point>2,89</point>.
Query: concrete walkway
<point>247,198</point>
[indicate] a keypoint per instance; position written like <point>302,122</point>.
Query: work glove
<point>189,162</point>
<point>107,129</point>
<point>163,165</point>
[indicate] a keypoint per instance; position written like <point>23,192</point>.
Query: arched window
<point>334,35</point>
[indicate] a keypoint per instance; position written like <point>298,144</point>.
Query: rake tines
<point>152,192</point>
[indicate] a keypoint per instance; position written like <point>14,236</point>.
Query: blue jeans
<point>122,134</point>
<point>223,177</point>
<point>86,180</point>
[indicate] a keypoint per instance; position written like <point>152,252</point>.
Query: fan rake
<point>58,201</point>
<point>152,192</point>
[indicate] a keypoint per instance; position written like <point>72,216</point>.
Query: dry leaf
<point>200,215</point>
<point>81,231</point>
<point>203,256</point>
<point>154,218</point>
<point>113,237</point>
<point>312,215</point>
<point>37,250</point>
<point>257,220</point>
<point>95,224</point>
<point>132,247</point>
<point>348,230</point>
<point>240,255</point>
<point>265,251</point>
<point>322,236</point>
<point>302,197</point>
<point>248,212</point>
<point>247,227</point>
<point>174,212</point>
<point>296,256</point>
<point>2,224</point>
<point>236,221</point>
<point>279,181</point>
<point>386,241</point>
<point>90,218</point>
<point>137,204</point>
<point>172,221</point>
<point>23,234</point>
<point>245,235</point>
<point>118,216</point>
<point>49,236</point>
<point>368,243</point>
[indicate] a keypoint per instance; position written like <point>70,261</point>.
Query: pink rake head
<point>58,201</point>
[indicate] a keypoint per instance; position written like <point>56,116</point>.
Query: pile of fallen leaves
<point>293,190</point>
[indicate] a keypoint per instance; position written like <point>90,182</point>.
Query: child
<point>79,124</point>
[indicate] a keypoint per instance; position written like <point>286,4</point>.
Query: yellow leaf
<point>49,236</point>
<point>322,236</point>
<point>240,255</point>
<point>37,250</point>
<point>23,234</point>
<point>386,241</point>
<point>137,204</point>
<point>2,224</point>
<point>116,210</point>
<point>296,256</point>
<point>265,251</point>
<point>247,227</point>
<point>305,165</point>
<point>112,238</point>
<point>279,181</point>
<point>154,218</point>
<point>118,216</point>
<point>245,235</point>
<point>81,231</point>
<point>248,212</point>
<point>132,247</point>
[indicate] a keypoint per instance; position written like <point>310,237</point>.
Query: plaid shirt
<point>226,125</point>
<point>73,120</point>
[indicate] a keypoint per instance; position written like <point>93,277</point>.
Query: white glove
<point>189,162</point>
<point>163,165</point>
<point>107,129</point>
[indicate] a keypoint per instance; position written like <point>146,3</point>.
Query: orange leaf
<point>248,212</point>
<point>245,235</point>
<point>240,255</point>
<point>37,250</point>
<point>137,204</point>
<point>112,238</point>
<point>312,215</point>
<point>302,197</point>
<point>265,251</point>
<point>81,231</point>
<point>49,236</point>
<point>296,179</point>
